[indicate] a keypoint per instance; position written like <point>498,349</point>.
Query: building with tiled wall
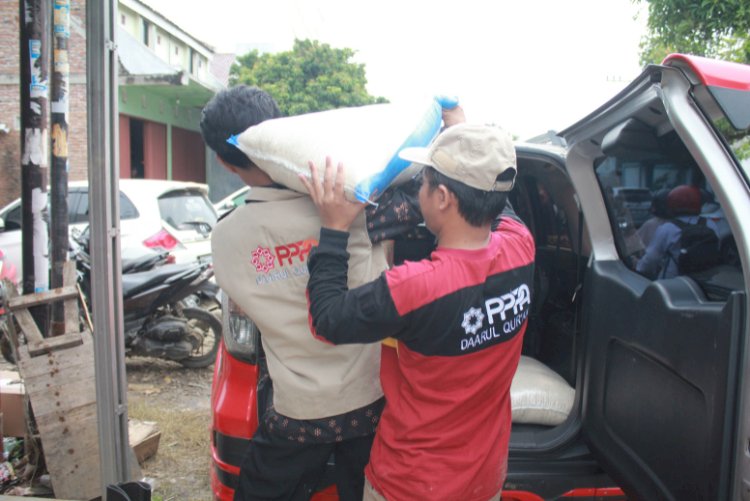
<point>164,80</point>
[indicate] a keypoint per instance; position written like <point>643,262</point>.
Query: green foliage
<point>712,28</point>
<point>742,149</point>
<point>310,77</point>
<point>739,140</point>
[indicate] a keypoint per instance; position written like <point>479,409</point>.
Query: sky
<point>527,65</point>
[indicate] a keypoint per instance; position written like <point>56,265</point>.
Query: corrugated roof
<point>137,60</point>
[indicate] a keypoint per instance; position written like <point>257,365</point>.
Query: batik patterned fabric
<point>357,423</point>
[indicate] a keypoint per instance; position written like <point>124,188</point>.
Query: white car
<point>232,201</point>
<point>175,216</point>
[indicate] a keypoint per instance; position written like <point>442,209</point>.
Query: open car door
<point>665,399</point>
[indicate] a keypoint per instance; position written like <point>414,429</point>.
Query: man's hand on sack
<point>453,116</point>
<point>336,211</point>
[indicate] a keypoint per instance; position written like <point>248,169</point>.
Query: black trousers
<point>276,468</point>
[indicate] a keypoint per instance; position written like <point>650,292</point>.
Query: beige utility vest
<point>260,255</point>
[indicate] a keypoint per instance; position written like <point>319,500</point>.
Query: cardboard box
<point>144,438</point>
<point>12,404</point>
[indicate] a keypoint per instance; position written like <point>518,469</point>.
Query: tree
<point>712,28</point>
<point>310,77</point>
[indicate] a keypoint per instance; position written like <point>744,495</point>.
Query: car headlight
<point>241,335</point>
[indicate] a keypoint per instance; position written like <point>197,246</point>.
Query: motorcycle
<point>162,306</point>
<point>143,259</point>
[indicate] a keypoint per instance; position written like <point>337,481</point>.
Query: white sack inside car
<point>539,395</point>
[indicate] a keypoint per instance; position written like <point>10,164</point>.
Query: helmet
<point>684,199</point>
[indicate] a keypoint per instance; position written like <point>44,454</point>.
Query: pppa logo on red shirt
<point>283,261</point>
<point>515,302</point>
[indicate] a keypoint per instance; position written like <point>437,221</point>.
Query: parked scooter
<point>137,259</point>
<point>162,310</point>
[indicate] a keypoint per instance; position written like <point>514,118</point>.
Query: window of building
<point>146,33</point>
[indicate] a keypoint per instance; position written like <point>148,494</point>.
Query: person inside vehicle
<point>659,215</point>
<point>662,254</point>
<point>319,390</point>
<point>459,317</point>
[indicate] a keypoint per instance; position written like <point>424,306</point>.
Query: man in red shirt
<point>458,316</point>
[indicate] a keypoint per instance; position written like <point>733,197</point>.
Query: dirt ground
<point>178,400</point>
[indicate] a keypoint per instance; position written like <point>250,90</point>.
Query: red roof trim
<point>713,72</point>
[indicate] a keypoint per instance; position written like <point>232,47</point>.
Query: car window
<point>13,219</point>
<point>77,206</point>
<point>534,204</point>
<point>666,219</point>
<point>127,208</point>
<point>82,210</point>
<point>737,139</point>
<point>181,209</point>
<point>80,214</point>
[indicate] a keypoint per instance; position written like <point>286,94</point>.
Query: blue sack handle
<point>447,102</point>
<point>423,133</point>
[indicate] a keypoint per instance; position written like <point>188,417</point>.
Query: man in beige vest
<point>326,399</point>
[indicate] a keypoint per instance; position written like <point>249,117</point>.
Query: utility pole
<point>34,22</point>
<point>59,185</point>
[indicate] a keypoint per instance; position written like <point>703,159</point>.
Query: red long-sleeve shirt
<point>459,317</point>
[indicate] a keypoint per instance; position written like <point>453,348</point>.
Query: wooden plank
<point>70,278</point>
<point>61,388</point>
<point>69,452</point>
<point>55,343</point>
<point>45,297</point>
<point>50,399</point>
<point>25,498</point>
<point>74,360</point>
<point>28,326</point>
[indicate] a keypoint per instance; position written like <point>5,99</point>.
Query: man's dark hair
<point>230,112</point>
<point>477,207</point>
